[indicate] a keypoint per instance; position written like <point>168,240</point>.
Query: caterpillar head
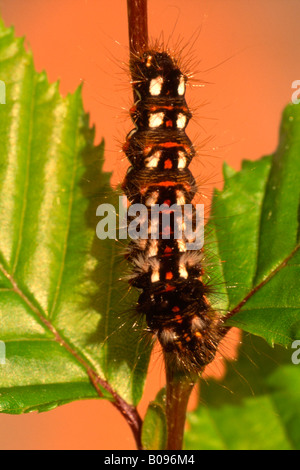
<point>156,74</point>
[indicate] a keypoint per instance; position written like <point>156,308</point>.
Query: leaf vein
<point>27,175</point>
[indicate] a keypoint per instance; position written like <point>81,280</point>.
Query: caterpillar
<point>173,295</point>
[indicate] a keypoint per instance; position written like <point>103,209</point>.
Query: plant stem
<point>179,388</point>
<point>137,25</point>
<point>129,412</point>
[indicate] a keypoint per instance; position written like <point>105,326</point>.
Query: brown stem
<point>137,25</point>
<point>179,388</point>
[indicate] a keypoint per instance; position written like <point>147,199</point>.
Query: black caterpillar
<point>173,294</point>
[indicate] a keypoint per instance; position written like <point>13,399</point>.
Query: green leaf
<point>61,301</point>
<point>154,430</point>
<point>256,224</point>
<point>255,407</point>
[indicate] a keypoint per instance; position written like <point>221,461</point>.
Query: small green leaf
<point>154,430</point>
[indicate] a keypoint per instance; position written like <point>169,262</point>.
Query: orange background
<point>248,51</point>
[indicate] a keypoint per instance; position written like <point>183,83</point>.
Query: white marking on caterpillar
<point>181,159</point>
<point>197,324</point>
<point>152,162</point>
<point>181,86</point>
<point>156,86</point>
<point>156,120</point>
<point>181,245</point>
<point>180,198</point>
<point>182,271</point>
<point>155,276</point>
<point>167,335</point>
<point>153,249</point>
<point>181,121</point>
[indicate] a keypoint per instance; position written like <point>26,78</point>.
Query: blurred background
<point>248,55</point>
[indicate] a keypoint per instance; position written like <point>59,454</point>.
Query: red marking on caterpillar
<point>173,296</point>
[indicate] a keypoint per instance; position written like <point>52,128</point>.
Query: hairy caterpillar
<point>173,297</point>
